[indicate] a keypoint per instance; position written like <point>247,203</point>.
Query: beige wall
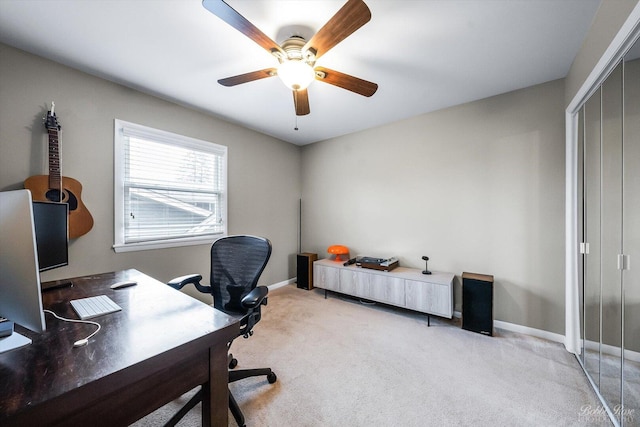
<point>477,187</point>
<point>86,107</point>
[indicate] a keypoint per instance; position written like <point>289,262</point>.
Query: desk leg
<point>215,396</point>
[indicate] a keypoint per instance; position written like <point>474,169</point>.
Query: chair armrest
<point>180,282</point>
<point>255,297</point>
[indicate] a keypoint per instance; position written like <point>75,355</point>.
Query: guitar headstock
<point>51,121</point>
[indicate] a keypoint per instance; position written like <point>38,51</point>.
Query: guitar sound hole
<point>64,196</point>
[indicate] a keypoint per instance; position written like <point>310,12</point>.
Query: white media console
<point>402,287</point>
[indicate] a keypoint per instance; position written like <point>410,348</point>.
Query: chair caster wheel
<point>272,378</point>
<point>233,363</point>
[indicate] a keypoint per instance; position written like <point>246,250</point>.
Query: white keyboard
<point>88,308</point>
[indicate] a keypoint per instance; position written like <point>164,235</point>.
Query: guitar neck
<point>55,177</point>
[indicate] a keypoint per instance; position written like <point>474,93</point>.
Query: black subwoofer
<point>305,270</point>
<point>477,303</point>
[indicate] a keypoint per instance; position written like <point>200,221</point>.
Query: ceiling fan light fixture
<point>296,74</point>
<point>296,55</point>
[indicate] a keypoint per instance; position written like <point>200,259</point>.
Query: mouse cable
<point>81,342</point>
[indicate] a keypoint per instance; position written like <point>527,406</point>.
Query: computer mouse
<point>123,284</point>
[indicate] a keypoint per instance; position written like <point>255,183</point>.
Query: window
<point>170,190</point>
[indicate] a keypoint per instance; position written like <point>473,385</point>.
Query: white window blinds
<point>172,188</point>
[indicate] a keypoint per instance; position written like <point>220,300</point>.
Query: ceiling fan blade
<point>240,23</point>
<point>353,15</point>
<point>248,77</point>
<point>301,101</point>
<point>345,81</point>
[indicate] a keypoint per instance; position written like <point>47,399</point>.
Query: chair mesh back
<point>236,265</point>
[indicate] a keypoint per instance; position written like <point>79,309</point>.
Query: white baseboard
<point>551,336</point>
<point>538,333</point>
<point>281,284</point>
<point>612,350</point>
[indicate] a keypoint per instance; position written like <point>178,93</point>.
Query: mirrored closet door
<point>609,226</point>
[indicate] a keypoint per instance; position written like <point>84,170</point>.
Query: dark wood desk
<point>162,344</point>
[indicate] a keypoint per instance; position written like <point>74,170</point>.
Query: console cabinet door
<point>354,282</point>
<point>326,277</point>
<point>428,297</point>
<point>387,289</point>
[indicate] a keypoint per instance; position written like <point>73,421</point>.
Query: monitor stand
<point>13,341</point>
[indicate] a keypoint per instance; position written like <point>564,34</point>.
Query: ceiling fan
<point>297,56</point>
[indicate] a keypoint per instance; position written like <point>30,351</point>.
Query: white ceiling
<point>424,55</point>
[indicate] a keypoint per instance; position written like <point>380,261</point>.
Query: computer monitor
<point>52,236</point>
<point>20,297</point>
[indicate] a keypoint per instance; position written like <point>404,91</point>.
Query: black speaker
<point>305,270</point>
<point>477,303</point>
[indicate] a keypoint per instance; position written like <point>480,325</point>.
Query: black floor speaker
<point>477,303</point>
<point>305,270</point>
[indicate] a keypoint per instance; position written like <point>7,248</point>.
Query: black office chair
<point>236,265</point>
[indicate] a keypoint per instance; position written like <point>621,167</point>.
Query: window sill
<point>163,244</point>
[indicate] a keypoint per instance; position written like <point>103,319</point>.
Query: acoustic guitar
<point>57,188</point>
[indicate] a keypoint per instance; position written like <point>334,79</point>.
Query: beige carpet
<point>343,363</point>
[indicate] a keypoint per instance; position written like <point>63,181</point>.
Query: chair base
<point>242,374</point>
<point>233,405</point>
<point>247,373</point>
<point>197,398</point>
<point>235,411</point>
